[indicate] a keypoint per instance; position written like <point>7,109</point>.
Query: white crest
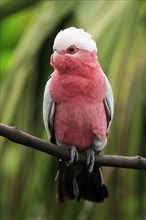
<point>74,36</point>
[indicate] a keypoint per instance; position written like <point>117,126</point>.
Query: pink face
<point>71,58</point>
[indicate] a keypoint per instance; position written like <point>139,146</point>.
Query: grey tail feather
<point>75,182</point>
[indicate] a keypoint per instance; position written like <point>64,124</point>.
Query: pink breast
<point>79,113</point>
<point>79,125</point>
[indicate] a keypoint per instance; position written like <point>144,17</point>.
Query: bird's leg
<point>74,156</point>
<point>90,159</point>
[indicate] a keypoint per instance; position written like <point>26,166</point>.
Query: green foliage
<point>28,28</point>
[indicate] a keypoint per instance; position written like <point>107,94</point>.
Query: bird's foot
<point>74,156</point>
<point>90,159</point>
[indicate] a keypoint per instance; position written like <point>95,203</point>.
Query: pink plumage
<point>79,92</point>
<point>77,112</point>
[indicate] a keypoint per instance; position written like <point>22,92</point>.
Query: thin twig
<point>19,137</point>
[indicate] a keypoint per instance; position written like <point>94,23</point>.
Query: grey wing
<point>48,112</point>
<point>109,102</point>
<point>98,144</point>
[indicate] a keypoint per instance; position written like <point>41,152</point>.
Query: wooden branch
<point>19,137</point>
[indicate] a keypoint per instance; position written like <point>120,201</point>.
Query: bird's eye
<point>72,50</point>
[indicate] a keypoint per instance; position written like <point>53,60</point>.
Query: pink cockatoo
<point>78,109</point>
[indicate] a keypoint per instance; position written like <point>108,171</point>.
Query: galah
<point>78,110</point>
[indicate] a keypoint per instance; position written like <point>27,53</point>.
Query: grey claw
<point>74,156</point>
<point>90,159</point>
<point>75,188</point>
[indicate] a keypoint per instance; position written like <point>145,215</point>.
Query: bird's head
<point>73,48</point>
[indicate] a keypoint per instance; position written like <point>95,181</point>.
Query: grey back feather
<point>109,102</point>
<point>48,109</point>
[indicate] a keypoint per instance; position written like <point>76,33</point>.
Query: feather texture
<point>74,36</point>
<point>78,109</point>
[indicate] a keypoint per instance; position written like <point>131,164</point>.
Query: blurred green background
<point>28,28</point>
